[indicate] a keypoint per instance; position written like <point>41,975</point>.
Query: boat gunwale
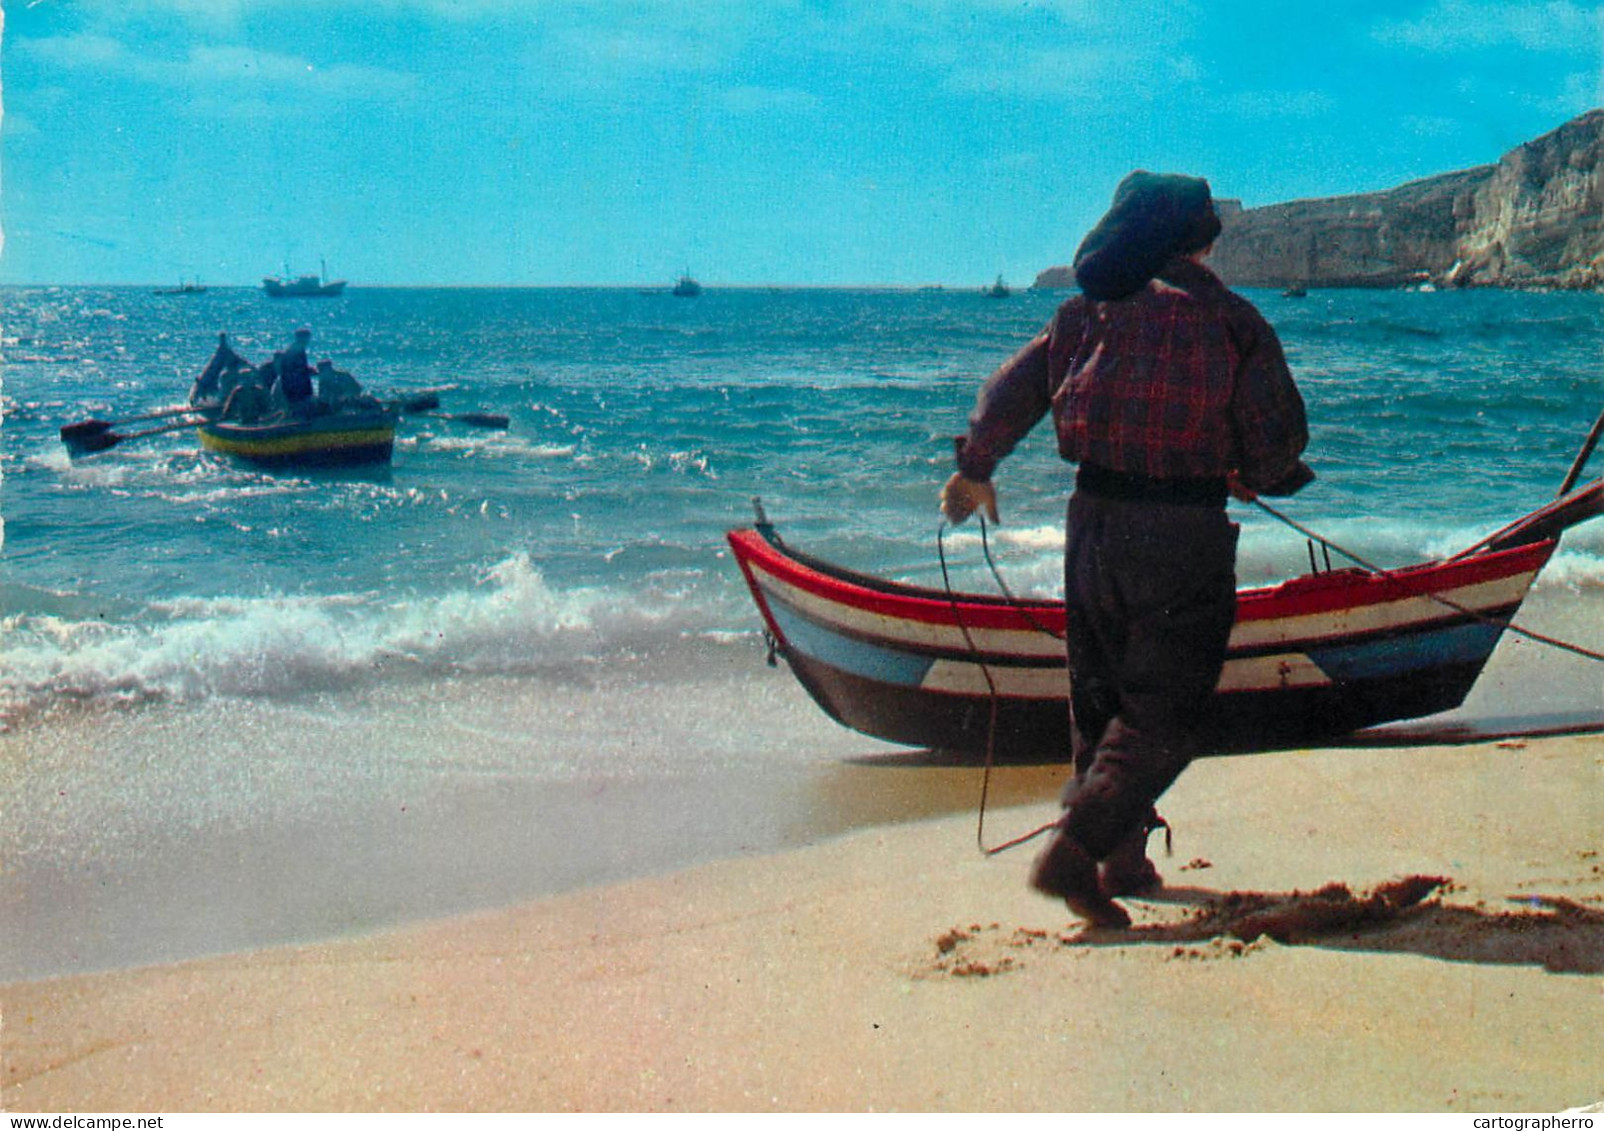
<point>1303,595</point>
<point>373,421</point>
<point>973,652</point>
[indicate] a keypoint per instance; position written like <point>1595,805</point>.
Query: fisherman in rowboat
<point>1170,392</point>
<point>221,375</point>
<point>295,373</point>
<point>336,387</point>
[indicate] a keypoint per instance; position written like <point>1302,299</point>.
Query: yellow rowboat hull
<point>321,441</point>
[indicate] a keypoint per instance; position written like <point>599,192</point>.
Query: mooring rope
<point>1024,611</point>
<point>991,688</point>
<point>1474,614</point>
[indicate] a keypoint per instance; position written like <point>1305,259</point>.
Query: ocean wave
<point>1580,571</point>
<point>510,623</point>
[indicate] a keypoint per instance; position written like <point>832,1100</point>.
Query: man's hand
<point>961,497</point>
<point>1238,489</point>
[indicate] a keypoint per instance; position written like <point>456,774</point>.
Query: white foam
<point>510,622</point>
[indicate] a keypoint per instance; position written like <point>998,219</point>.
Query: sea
<point>244,707</point>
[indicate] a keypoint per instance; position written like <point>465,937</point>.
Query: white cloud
<point>1265,105</point>
<point>1062,51</point>
<point>636,49</point>
<point>1530,25</point>
<point>90,51</point>
<point>1427,125</point>
<point>17,125</point>
<point>1056,50</point>
<point>597,13</point>
<point>1085,74</point>
<point>266,74</point>
<point>758,100</point>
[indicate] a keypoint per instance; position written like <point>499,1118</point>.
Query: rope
<point>991,689</point>
<point>1024,611</point>
<point>1474,614</point>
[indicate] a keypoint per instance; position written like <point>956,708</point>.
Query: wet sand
<point>1395,930</point>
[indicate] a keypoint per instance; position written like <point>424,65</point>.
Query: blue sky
<point>752,142</point>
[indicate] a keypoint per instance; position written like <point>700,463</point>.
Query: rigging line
<point>1510,625</point>
<point>991,688</point>
<point>1018,606</point>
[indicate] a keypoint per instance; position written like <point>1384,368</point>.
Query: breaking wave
<point>511,622</point>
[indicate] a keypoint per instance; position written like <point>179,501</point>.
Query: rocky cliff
<point>1535,219</point>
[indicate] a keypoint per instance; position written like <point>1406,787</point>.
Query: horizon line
<point>651,288</point>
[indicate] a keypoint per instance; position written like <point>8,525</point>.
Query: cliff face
<point>1536,219</point>
<point>1383,239</point>
<point>1539,218</point>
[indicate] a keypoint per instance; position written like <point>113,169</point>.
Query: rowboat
<point>350,436</point>
<point>1310,659</point>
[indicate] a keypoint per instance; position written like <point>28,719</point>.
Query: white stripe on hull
<point>1309,630</point>
<point>1257,673</point>
<point>1031,643</point>
<point>1385,616</point>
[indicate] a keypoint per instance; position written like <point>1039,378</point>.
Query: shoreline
<point>163,833</point>
<point>897,968</point>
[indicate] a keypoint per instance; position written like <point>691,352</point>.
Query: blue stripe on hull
<point>1389,657</point>
<point>871,661</point>
<point>1403,655</point>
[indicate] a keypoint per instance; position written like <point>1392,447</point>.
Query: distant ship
<point>194,288</point>
<point>303,286</point>
<point>999,289</point>
<point>687,287</point>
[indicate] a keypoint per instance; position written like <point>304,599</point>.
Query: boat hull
<point>1309,660</point>
<point>341,439</point>
<point>276,288</point>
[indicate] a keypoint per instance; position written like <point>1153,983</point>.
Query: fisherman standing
<point>295,370</point>
<point>220,376</point>
<point>1170,392</point>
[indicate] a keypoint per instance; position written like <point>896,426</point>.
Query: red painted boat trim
<point>1303,596</point>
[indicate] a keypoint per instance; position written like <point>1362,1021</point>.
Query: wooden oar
<point>100,441</point>
<point>92,427</point>
<point>420,404</point>
<point>1580,462</point>
<point>478,419</point>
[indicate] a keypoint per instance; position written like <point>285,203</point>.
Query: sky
<point>749,142</point>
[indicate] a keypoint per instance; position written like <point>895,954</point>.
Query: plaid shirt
<point>1183,380</point>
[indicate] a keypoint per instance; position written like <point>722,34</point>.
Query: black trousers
<point>1150,593</point>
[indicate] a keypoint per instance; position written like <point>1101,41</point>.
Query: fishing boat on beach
<point>1311,659</point>
<point>303,286</point>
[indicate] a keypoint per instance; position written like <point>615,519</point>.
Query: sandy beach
<point>1398,930</point>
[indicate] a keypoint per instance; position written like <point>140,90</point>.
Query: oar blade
<point>99,442</point>
<point>480,419</point>
<point>89,444</point>
<point>94,426</point>
<point>70,433</point>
